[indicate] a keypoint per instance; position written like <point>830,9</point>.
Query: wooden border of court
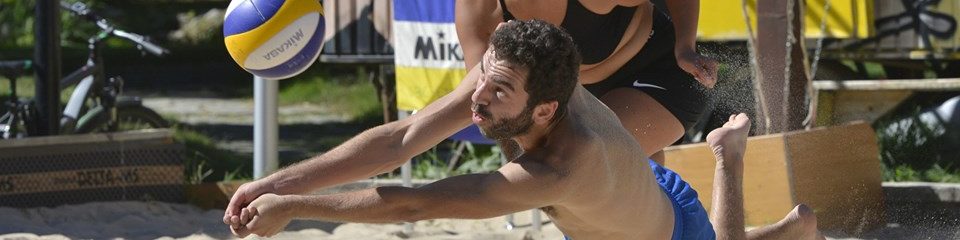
<point>71,169</point>
<point>834,170</point>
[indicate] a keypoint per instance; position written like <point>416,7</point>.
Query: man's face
<point>500,101</point>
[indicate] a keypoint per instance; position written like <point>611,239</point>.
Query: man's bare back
<point>616,195</point>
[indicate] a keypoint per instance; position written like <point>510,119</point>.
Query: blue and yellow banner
<point>429,61</point>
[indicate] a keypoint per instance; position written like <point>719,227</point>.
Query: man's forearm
<point>374,151</point>
<point>468,196</point>
<point>376,205</point>
<point>685,14</point>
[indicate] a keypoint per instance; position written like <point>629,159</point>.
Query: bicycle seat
<point>14,69</point>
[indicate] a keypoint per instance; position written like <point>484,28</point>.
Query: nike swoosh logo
<point>638,84</point>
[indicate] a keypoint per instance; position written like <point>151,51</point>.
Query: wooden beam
<point>866,100</point>
<point>782,79</point>
<point>944,84</point>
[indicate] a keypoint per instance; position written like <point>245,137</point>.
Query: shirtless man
<point>577,162</point>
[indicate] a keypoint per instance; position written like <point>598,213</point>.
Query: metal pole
<point>406,174</point>
<point>509,217</point>
<point>264,127</point>
<point>47,57</point>
<point>535,220</point>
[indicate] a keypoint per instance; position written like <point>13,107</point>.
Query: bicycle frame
<point>92,87</point>
<point>94,102</point>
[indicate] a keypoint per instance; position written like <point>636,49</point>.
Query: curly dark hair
<point>549,55</point>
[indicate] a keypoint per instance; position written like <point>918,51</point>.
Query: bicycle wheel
<point>137,117</point>
<point>18,123</point>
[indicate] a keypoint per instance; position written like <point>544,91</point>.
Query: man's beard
<point>506,128</point>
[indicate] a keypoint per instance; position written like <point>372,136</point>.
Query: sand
<point>158,220</point>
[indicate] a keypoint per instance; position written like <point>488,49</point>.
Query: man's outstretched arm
<point>517,186</point>
<point>374,151</point>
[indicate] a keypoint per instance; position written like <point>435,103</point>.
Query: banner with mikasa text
<point>429,61</point>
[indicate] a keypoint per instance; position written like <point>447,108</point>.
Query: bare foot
<point>730,141</point>
<point>803,221</point>
<point>800,224</point>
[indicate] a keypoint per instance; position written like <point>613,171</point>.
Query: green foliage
<point>901,173</point>
<point>430,166</point>
<point>476,161</point>
<point>17,19</point>
<point>916,149</point>
<point>189,23</point>
<point>202,29</point>
<point>343,93</point>
<point>904,173</point>
<point>940,174</point>
<point>205,162</point>
<point>473,159</point>
<point>196,176</point>
<point>909,142</point>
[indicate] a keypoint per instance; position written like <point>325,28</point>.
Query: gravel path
<point>230,123</point>
<point>235,111</point>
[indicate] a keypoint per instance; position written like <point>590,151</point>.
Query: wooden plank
<point>942,84</point>
<point>836,171</point>
<point>383,23</point>
<point>364,26</point>
<point>330,21</point>
<point>85,179</point>
<point>344,14</point>
<point>824,107</point>
<point>54,170</point>
<point>767,197</point>
<point>849,106</point>
<point>840,102</point>
<point>155,135</point>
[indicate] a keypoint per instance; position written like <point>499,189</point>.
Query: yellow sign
<point>722,20</point>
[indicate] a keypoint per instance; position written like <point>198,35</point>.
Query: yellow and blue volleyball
<point>274,39</point>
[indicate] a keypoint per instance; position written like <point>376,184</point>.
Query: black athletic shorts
<point>654,71</point>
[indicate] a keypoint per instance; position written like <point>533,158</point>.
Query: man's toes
<point>804,219</point>
<point>807,216</point>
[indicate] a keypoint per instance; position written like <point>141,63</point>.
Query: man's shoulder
<point>577,142</point>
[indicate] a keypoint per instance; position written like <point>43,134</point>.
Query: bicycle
<point>96,103</point>
<point>17,110</point>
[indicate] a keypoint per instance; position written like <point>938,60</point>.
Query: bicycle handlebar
<point>81,10</point>
<point>143,43</point>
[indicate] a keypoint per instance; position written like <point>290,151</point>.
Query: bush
<point>915,145</point>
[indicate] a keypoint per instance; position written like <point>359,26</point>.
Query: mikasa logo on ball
<point>292,42</point>
<point>284,45</point>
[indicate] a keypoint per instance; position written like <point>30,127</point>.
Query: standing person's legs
<point>650,123</point>
<point>729,144</point>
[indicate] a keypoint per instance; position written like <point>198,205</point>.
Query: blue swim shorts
<point>691,219</point>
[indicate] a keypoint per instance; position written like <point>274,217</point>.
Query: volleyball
<point>274,39</point>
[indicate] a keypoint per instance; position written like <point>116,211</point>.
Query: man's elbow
<point>391,151</point>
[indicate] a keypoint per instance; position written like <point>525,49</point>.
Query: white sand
<point>152,220</point>
<point>156,220</point>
